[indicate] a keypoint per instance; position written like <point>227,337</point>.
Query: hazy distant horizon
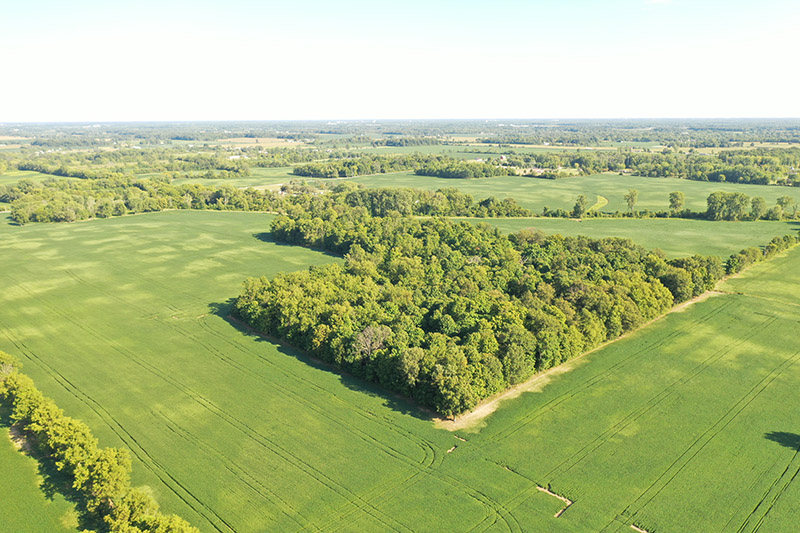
<point>381,120</point>
<point>94,61</point>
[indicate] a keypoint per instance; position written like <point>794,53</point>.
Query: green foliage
<point>580,207</point>
<point>439,287</point>
<point>676,201</point>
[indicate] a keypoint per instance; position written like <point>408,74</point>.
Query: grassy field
<point>13,176</point>
<point>535,193</point>
<point>24,506</point>
<point>259,177</point>
<point>122,322</point>
<point>676,237</point>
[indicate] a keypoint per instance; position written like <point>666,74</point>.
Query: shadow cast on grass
<point>53,480</point>
<point>266,236</point>
<point>789,440</point>
<point>390,399</point>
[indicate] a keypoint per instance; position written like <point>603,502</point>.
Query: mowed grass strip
<point>122,322</point>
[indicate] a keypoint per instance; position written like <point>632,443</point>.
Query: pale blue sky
<point>247,60</point>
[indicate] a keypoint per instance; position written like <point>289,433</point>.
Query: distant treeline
<point>100,477</point>
<point>758,166</point>
<point>451,313</point>
<point>422,164</point>
<point>462,169</point>
<point>69,201</point>
<point>365,165</point>
<point>406,141</point>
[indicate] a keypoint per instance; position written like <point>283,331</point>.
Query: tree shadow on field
<point>390,399</point>
<point>53,481</point>
<point>789,440</point>
<point>266,236</point>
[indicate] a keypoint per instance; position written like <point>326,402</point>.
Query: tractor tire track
<point>703,439</point>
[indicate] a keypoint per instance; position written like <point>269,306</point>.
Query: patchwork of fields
<point>122,322</point>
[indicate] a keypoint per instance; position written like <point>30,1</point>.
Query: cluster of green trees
<point>450,313</point>
<point>738,206</point>
<point>721,205</point>
<point>741,260</point>
<point>462,169</point>
<point>442,202</point>
<point>365,165</point>
<point>756,166</point>
<point>69,201</point>
<point>100,476</point>
<point>406,141</point>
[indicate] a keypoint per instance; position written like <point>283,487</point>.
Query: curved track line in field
<point>248,479</point>
<point>144,457</point>
<point>703,439</point>
<point>125,436</point>
<point>425,446</point>
<point>257,437</point>
<point>496,506</point>
<point>352,500</point>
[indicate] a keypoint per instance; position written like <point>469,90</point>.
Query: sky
<point>106,60</point>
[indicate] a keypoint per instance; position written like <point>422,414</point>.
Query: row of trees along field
<point>451,313</point>
<point>69,201</point>
<point>720,205</point>
<point>126,161</point>
<point>366,165</point>
<point>757,166</point>
<point>100,476</point>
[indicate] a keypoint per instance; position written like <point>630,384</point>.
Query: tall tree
<point>631,198</point>
<point>676,201</point>
<point>758,206</point>
<point>580,207</point>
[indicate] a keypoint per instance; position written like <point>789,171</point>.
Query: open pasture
<point>676,237</point>
<point>688,424</point>
<point>536,193</point>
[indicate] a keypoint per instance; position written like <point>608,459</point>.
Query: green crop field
<point>535,193</point>
<point>23,505</point>
<point>13,176</point>
<point>676,237</point>
<point>687,425</point>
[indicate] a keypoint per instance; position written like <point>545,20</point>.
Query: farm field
<point>13,176</point>
<point>535,193</point>
<point>122,322</point>
<point>23,505</point>
<point>676,237</point>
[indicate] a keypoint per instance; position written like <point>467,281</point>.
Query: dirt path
<point>538,381</point>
